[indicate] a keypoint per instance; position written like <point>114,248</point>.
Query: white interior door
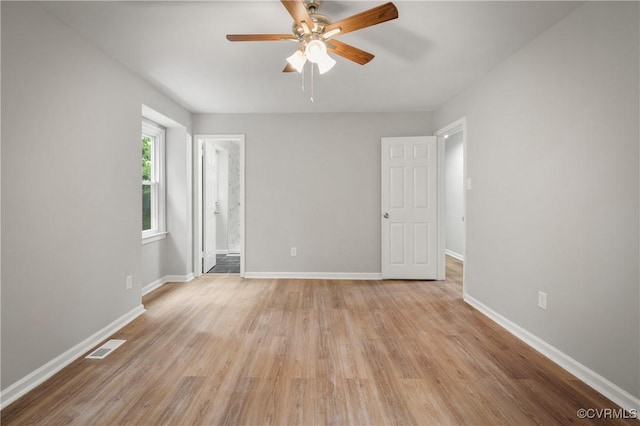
<point>409,208</point>
<point>209,206</point>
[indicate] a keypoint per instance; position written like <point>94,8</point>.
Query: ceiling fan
<point>315,34</point>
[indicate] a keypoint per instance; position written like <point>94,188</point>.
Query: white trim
<point>442,236</point>
<point>196,211</point>
<point>242,208</point>
<point>316,275</point>
<point>454,255</point>
<point>222,251</point>
<point>152,238</point>
<point>153,285</point>
<point>189,213</point>
<point>179,278</point>
<point>166,279</point>
<point>610,390</point>
<point>40,375</point>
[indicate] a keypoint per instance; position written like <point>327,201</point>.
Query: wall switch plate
<point>129,282</point>
<point>542,300</point>
<point>469,184</point>
<point>294,251</point>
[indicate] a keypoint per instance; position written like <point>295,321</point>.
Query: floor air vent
<point>105,349</point>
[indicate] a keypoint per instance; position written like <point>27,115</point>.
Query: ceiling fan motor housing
<point>319,23</point>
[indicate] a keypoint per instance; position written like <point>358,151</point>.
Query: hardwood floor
<point>223,350</point>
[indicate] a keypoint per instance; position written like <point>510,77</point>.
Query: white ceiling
<point>429,54</point>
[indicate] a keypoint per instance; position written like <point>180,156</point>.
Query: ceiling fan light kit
<point>314,32</point>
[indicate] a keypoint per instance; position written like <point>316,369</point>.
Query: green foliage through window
<point>146,207</point>
<point>146,158</point>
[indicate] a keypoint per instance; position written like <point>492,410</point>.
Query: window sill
<point>154,237</point>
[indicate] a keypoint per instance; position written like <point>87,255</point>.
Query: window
<point>153,225</point>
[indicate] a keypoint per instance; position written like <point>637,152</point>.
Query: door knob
<point>386,215</point>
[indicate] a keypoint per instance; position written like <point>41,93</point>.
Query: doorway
<point>453,187</point>
<point>219,199</point>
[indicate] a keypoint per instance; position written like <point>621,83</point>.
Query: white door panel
<point>409,207</point>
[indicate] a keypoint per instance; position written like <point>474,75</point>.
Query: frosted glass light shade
<point>325,64</point>
<point>315,51</point>
<point>297,60</point>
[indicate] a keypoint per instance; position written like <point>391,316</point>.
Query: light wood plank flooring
<point>223,350</point>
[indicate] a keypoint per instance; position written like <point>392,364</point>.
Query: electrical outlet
<point>129,282</point>
<point>294,251</point>
<point>542,300</point>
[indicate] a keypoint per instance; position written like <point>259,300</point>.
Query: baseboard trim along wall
<point>166,279</point>
<point>610,390</point>
<point>454,255</point>
<point>40,375</point>
<point>316,275</point>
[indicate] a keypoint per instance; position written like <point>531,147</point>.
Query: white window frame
<point>158,207</point>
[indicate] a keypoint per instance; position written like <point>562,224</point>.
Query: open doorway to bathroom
<point>219,189</point>
<point>225,175</point>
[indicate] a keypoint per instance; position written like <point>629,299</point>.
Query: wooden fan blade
<point>259,37</point>
<point>347,51</point>
<point>298,12</point>
<point>289,68</point>
<point>377,15</point>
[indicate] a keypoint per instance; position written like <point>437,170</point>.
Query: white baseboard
<point>166,279</point>
<point>40,375</point>
<point>178,278</point>
<point>454,255</point>
<point>316,275</point>
<point>610,390</point>
<point>153,285</point>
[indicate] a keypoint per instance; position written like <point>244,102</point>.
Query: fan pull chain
<point>302,73</point>
<point>312,84</point>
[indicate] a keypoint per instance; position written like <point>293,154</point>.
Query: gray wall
<point>313,182</point>
<point>70,186</point>
<point>454,194</point>
<point>177,254</point>
<point>553,152</point>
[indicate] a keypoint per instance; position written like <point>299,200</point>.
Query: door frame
<point>460,124</point>
<point>198,143</point>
